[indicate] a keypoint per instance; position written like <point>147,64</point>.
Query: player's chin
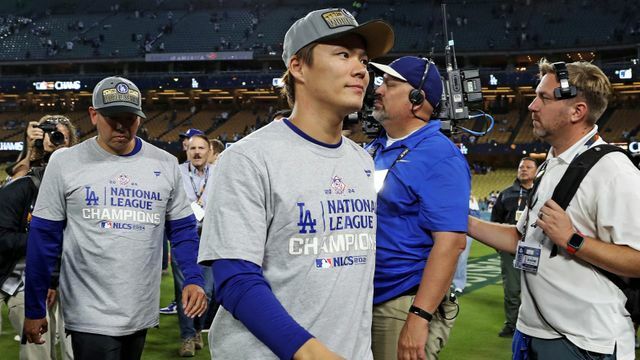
<point>352,106</point>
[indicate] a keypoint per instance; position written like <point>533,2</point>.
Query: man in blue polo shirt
<point>423,185</point>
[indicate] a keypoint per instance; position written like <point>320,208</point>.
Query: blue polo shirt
<point>426,190</point>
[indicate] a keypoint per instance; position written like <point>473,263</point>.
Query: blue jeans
<point>188,326</point>
<point>460,277</point>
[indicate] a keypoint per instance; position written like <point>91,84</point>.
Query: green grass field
<point>474,335</point>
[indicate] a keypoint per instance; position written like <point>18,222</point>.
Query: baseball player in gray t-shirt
<point>110,198</point>
<point>290,225</point>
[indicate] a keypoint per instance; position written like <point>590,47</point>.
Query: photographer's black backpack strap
<point>578,169</point>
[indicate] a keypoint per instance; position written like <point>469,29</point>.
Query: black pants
<point>103,347</point>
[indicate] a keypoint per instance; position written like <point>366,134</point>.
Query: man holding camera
<point>570,307</point>
<point>35,151</point>
<point>18,197</point>
<point>110,198</point>
<point>423,185</point>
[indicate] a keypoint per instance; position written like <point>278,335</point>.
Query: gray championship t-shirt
<point>305,213</point>
<point>115,209</point>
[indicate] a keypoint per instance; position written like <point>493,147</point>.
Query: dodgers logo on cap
<point>122,88</point>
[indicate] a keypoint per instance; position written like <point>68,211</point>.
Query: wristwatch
<point>575,243</point>
<point>423,314</point>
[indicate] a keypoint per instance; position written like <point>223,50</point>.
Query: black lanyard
<point>532,193</point>
<point>193,184</point>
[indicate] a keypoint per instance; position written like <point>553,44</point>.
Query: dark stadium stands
<point>75,40</point>
<point>138,27</point>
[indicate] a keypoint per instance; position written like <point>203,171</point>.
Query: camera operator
<point>423,184</point>
<point>36,151</point>
<point>17,199</point>
<point>570,309</point>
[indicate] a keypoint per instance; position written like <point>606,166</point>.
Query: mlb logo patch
<point>106,224</point>
<point>323,263</point>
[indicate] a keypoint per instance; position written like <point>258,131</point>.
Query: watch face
<point>576,241</point>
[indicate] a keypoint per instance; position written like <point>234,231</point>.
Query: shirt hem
<point>114,331</point>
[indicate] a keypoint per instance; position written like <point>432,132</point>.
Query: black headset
<point>415,96</point>
<point>565,90</point>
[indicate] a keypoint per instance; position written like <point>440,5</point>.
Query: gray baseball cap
<point>116,95</point>
<point>327,24</point>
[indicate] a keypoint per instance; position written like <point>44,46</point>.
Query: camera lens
<point>56,137</point>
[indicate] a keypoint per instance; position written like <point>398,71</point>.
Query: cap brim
<point>387,70</point>
<point>116,110</point>
<point>377,34</point>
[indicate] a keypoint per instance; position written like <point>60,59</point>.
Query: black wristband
<point>423,314</point>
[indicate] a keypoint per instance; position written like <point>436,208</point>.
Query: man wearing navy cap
<point>423,185</point>
<point>185,136</point>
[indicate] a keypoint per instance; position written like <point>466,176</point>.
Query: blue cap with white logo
<point>191,132</point>
<point>411,69</point>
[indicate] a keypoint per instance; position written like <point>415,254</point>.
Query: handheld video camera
<point>370,126</point>
<point>460,88</point>
<point>50,127</point>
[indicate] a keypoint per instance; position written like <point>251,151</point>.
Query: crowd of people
<point>297,243</point>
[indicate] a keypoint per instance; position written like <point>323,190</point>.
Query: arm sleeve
<point>241,289</point>
<point>44,248</point>
<point>183,236</point>
<point>15,198</point>
<point>444,196</point>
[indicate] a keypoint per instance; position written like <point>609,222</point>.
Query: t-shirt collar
<point>431,128</point>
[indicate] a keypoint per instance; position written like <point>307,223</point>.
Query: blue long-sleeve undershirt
<point>242,289</point>
<point>183,236</point>
<point>44,245</point>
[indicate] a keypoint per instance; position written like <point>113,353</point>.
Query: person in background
<point>509,207</point>
<point>183,158</point>
<point>196,176</point>
<point>460,276</point>
<point>17,200</point>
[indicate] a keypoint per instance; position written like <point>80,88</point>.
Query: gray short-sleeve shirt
<point>305,213</point>
<point>115,210</point>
